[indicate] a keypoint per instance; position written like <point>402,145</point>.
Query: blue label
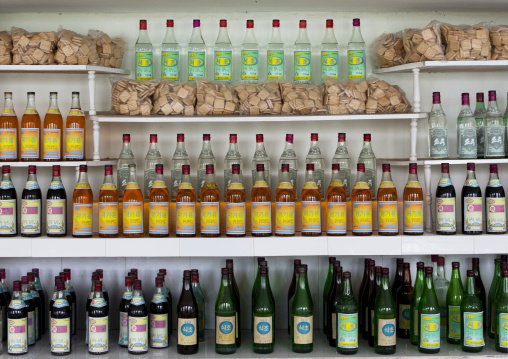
<point>188,329</point>
<point>303,328</point>
<point>263,328</point>
<point>226,327</point>
<point>389,330</point>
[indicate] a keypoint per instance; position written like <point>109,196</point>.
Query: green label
<point>330,64</point>
<point>347,325</point>
<point>250,64</point>
<point>473,329</point>
<point>222,65</point>
<point>275,64</point>
<point>438,142</point>
<point>454,321</point>
<point>430,331</point>
<point>302,66</point>
<point>503,330</point>
<point>170,65</point>
<point>144,65</point>
<point>494,138</point>
<point>467,142</point>
<point>196,65</point>
<point>356,64</point>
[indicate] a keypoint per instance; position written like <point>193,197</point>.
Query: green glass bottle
<point>225,317</point>
<point>326,290</point>
<point>471,316</point>
<point>429,317</point>
<point>454,297</point>
<point>501,314</point>
<point>492,294</point>
<point>372,305</point>
<point>261,263</point>
<point>333,296</point>
<point>236,293</point>
<point>263,316</point>
<point>363,284</point>
<point>404,303</point>
<point>385,318</point>
<point>302,315</point>
<point>292,290</point>
<point>416,296</point>
<point>346,310</point>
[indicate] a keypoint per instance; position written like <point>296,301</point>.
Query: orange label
<point>362,217</point>
<point>185,218</point>
<point>311,216</point>
<point>108,217</point>
<point>336,217</point>
<point>29,143</point>
<point>285,217</point>
<point>74,143</point>
<point>159,217</point>
<point>235,218</point>
<point>51,144</point>
<point>133,217</point>
<point>261,217</point>
<point>387,216</point>
<point>413,216</point>
<point>82,219</point>
<point>210,218</point>
<point>8,143</point>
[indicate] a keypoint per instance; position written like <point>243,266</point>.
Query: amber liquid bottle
<point>30,134</point>
<point>75,125</point>
<point>158,209</point>
<point>52,132</point>
<point>413,204</point>
<point>210,205</point>
<point>311,204</point>
<point>185,206</point>
<point>285,205</point>
<point>9,131</point>
<point>388,222</point>
<point>108,206</point>
<point>132,206</point>
<point>361,198</point>
<point>261,205</point>
<point>235,204</point>
<point>82,206</point>
<point>336,206</point>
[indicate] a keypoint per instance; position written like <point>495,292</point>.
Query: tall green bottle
<point>501,314</point>
<point>347,318</point>
<point>385,318</point>
<point>236,294</point>
<point>292,291</point>
<point>492,294</point>
<point>372,305</point>
<point>256,281</point>
<point>453,299</point>
<point>363,284</point>
<point>333,296</point>
<point>404,303</point>
<point>416,296</point>
<point>302,315</point>
<point>263,316</point>
<point>225,317</point>
<point>326,290</point>
<point>471,315</point>
<point>429,317</point>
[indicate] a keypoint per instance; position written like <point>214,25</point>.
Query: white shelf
<point>447,66</point>
<point>90,163</point>
<point>65,69</point>
<point>437,162</point>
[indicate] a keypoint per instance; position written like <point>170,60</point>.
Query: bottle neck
<point>209,178</point>
<point>30,104</point>
<point>170,37</point>
<point>302,281</point>
<point>236,178</point>
<point>159,291</point>
<point>180,147</point>
<point>470,175</point>
<point>143,37</point>
<point>187,284</point>
<point>108,179</point>
<point>132,175</point>
<point>445,175</point>
<point>378,279</point>
<point>387,177</point>
<point>471,286</point>
<point>83,177</point>
<point>360,177</point>
<point>207,146</point>
<point>480,106</point>
<point>154,147</point>
<point>159,177</point>
<point>406,277</point>
<point>335,176</point>
<point>250,37</point>
<point>186,179</point>
<point>98,294</point>
<point>276,38</point>
<point>196,37</point>
<point>260,176</point>
<point>302,37</point>
<point>32,177</point>
<point>356,36</point>
<point>494,176</point>
<point>309,176</point>
<point>263,282</point>
<point>128,289</point>
<point>346,288</point>
<point>284,177</point>
<point>385,284</point>
<point>24,288</point>
<point>260,146</point>
<point>61,294</point>
<point>492,106</point>
<point>314,146</point>
<point>75,102</point>
<point>329,36</point>
<point>6,177</point>
<point>412,177</point>
<point>137,293</point>
<point>8,103</point>
<point>441,272</point>
<point>223,36</point>
<point>56,179</point>
<point>16,295</point>
<point>53,102</point>
<point>504,285</point>
<point>429,283</point>
<point>233,147</point>
<point>436,107</point>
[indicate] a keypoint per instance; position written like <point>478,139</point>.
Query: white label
<point>31,216</point>
<point>138,334</point>
<point>263,330</point>
<point>55,217</point>
<point>98,335</point>
<point>159,330</point>
<point>60,333</point>
<point>17,336</point>
<point>8,216</point>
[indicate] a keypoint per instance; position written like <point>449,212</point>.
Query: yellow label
<point>235,186</point>
<point>74,143</point>
<point>82,219</point>
<point>132,185</point>
<point>361,185</point>
<point>263,330</point>
<point>29,143</point>
<point>159,330</point>
<point>30,111</point>
<point>362,217</point>
<point>413,184</point>
<point>187,331</point>
<point>158,184</point>
<point>138,334</point>
<point>108,186</point>
<point>8,111</point>
<point>108,217</point>
<point>336,217</point>
<point>260,184</point>
<point>185,186</point>
<point>82,185</point>
<point>261,217</point>
<point>225,330</point>
<point>53,110</point>
<point>17,336</point>
<point>159,217</point>
<point>133,217</point>
<point>413,216</point>
<point>60,335</point>
<point>285,217</point>
<point>303,330</point>
<point>310,185</point>
<point>285,185</point>
<point>185,218</point>
<point>51,144</point>
<point>387,216</point>
<point>74,112</point>
<point>210,218</point>
<point>235,218</point>
<point>386,184</point>
<point>337,183</point>
<point>311,216</point>
<point>8,143</point>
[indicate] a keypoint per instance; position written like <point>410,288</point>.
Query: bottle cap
<point>259,137</point>
<point>260,259</point>
<point>162,270</point>
<point>100,271</point>
<point>420,266</point>
<point>186,169</point>
<point>366,137</point>
<point>440,261</point>
<point>34,270</point>
<point>83,168</point>
<point>455,265</point>
<point>16,286</point>
<point>235,168</point>
<point>329,23</point>
<point>129,281</point>
<point>386,167</point>
<point>275,23</point>
<point>476,260</point>
<point>434,257</point>
<point>32,170</point>
<point>445,168</point>
<point>195,272</point>
<point>342,137</point>
<point>159,282</point>
<point>335,167</point>
<point>366,261</point>
<point>492,95</point>
<point>260,167</point>
<point>137,284</point>
<point>303,24</point>
<point>223,23</point>
<point>336,264</point>
<point>385,272</point>
<point>378,269</point>
<point>126,138</point>
<point>24,279</point>
<point>30,276</point>
<point>360,167</point>
<point>428,271</point>
<point>493,168</point>
<point>263,271</point>
<point>224,272</point>
<point>504,274</point>
<point>356,22</point>
<point>412,168</point>
<point>436,98</point>
<point>470,166</point>
<point>284,167</point>
<point>169,23</point>
<point>209,169</point>
<point>2,273</point>
<point>229,263</point>
<point>233,138</point>
<point>153,138</point>
<point>60,286</point>
<point>331,260</point>
<point>187,274</point>
<point>372,263</point>
<point>97,286</point>
<point>30,93</point>
<point>95,276</point>
<point>314,137</point>
<point>6,169</point>
<point>53,94</point>
<point>470,273</point>
<point>159,169</point>
<point>406,265</point>
<point>250,24</point>
<point>108,170</point>
<point>196,23</point>
<point>465,99</point>
<point>142,24</point>
<point>263,264</point>
<point>230,270</point>
<point>195,276</point>
<point>206,137</point>
<point>479,97</point>
<point>346,275</point>
<point>289,138</point>
<point>75,93</point>
<point>180,137</point>
<point>310,166</point>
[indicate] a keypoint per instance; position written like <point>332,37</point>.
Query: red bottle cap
<point>476,260</point>
<point>259,138</point>
<point>159,282</point>
<point>412,168</point>
<point>83,168</point>
<point>284,167</point>
<point>2,273</point>
<point>400,261</point>
<point>303,24</point>
<point>406,265</point>
<point>224,272</point>
<point>169,23</point>
<point>385,272</point>
<point>263,271</point>
<point>335,167</point>
<point>329,23</point>
<point>98,286</point>
<point>223,23</point>
<point>366,137</point>
<point>297,262</point>
<point>16,286</point>
<point>436,98</point>
<point>232,138</point>
<point>310,167</point>
<point>209,169</point>
<point>129,281</point>
<point>342,137</point>
<point>108,170</point>
<point>34,270</point>
<point>260,167</point>
<point>445,168</point>
<point>180,137</point>
<point>235,169</point>
<point>386,167</point>
<point>95,276</point>
<point>440,261</point>
<point>275,23</point>
<point>420,266</point>
<point>493,168</point>
<point>470,166</point>
<point>196,23</point>
<point>356,22</point>
<point>195,276</point>
<point>455,265</point>
<point>153,138</point>
<point>505,274</point>
<point>56,171</point>
<point>492,95</point>
<point>126,138</point>
<point>32,170</point>
<point>186,169</point>
<point>24,279</point>
<point>250,24</point>
<point>428,271</point>
<point>60,286</point>
<point>187,274</point>
<point>360,167</point>
<point>206,137</point>
<point>434,257</point>
<point>142,24</point>
<point>314,137</point>
<point>30,276</point>
<point>162,270</point>
<point>6,169</point>
<point>289,138</point>
<point>137,284</point>
<point>465,99</point>
<point>479,97</point>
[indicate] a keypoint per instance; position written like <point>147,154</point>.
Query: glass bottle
<point>356,59</point>
<point>387,210</point>
<point>397,281</point>
<point>364,299</point>
<point>315,157</point>
<point>413,203</point>
<point>326,290</point>
<point>185,206</point>
<point>429,340</point>
<point>104,290</point>
<point>52,132</point>
<point>471,315</point>
<point>311,204</point>
<point>263,314</point>
<point>98,322</point>
<point>336,205</point>
<point>3,314</point>
<point>158,208</point>
<point>466,131</point>
<point>292,290</point>
<point>368,158</point>
<point>170,54</point>
<point>30,305</point>
<point>362,204</point>
<point>492,298</point>
<point>385,314</point>
<point>132,206</point>
<point>159,316</point>
<point>75,131</point>
<point>302,315</point>
<point>70,288</point>
<point>108,205</point>
<point>125,159</point>
<point>446,218</point>
<point>56,203</point>
<point>187,314</point>
<point>501,314</point>
<point>329,53</point>
<point>144,54</point>
<point>333,297</point>
<point>480,115</point>
<point>285,204</point>
<point>495,207</point>
<point>165,289</point>
<point>8,203</point>
<point>416,297</point>
<point>232,157</point>
<point>363,284</point>
<point>42,296</point>
<point>341,157</point>
<point>433,259</point>
<point>60,329</point>
<point>138,322</point>
<point>472,221</point>
<point>480,288</point>
<point>261,263</point>
<point>206,157</point>
<point>289,157</point>
<point>302,56</point>
<point>236,294</point>
<point>223,55</point>
<point>17,322</point>
<point>275,56</point>
<point>30,134</point>
<point>438,129</point>
<point>180,158</point>
<point>123,336</point>
<point>9,129</point>
<point>261,205</point>
<point>31,215</point>
<point>210,205</point>
<point>70,299</point>
<point>196,53</point>
<point>82,206</point>
<point>95,278</point>
<point>249,56</point>
<point>441,285</point>
<point>372,305</point>
<point>153,158</point>
<point>200,300</point>
<point>454,297</point>
<point>235,204</point>
<point>261,157</point>
<point>495,134</point>
<point>225,317</point>
<point>347,318</point>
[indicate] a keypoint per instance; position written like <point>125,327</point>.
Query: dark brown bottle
<point>187,314</point>
<point>372,304</point>
<point>98,322</point>
<point>397,282</point>
<point>369,287</point>
<point>480,288</point>
<point>292,290</point>
<point>360,294</point>
<point>404,303</point>
<point>17,315</point>
<point>39,289</point>
<point>236,293</point>
<point>138,322</point>
<point>333,296</point>
<point>159,316</point>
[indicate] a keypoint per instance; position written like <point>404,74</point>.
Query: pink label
<point>6,211</point>
<point>446,208</point>
<point>493,209</point>
<point>59,329</point>
<point>158,324</point>
<point>17,329</point>
<point>30,210</point>
<point>138,328</point>
<point>474,207</point>
<point>98,328</point>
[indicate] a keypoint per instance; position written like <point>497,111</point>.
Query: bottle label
<point>387,216</point>
<point>223,65</point>
<point>310,185</point>
<point>302,330</point>
<point>8,143</point>
<point>356,64</point>
<point>330,64</point>
<point>337,183</point>
<point>263,330</point>
<point>108,217</point>
<point>98,334</point>
<point>225,330</point>
<point>235,218</point>
<point>29,143</point>
<point>133,217</point>
<point>430,331</point>
<point>144,65</point>
<point>386,184</point>
<point>127,295</point>
<point>17,339</point>
<point>158,184</point>
<point>480,138</point>
<point>302,66</point>
<point>404,316</point>
<point>445,182</point>
<point>445,215</point>
<point>8,216</point>
<point>503,330</point>
<point>467,142</point>
<point>311,216</point>
<point>261,217</point>
<point>138,334</point>
<point>196,65</point>
<point>473,329</point>
<point>31,327</point>
<point>159,298</point>
<point>187,333</point>
<point>51,144</point>
<point>386,332</point>
<point>159,330</point>
<point>159,217</point>
<point>60,335</point>
<point>362,217</point>
<point>82,219</point>
<point>82,185</point>
<point>472,214</point>
<point>361,185</point>
<point>8,112</point>
<point>74,143</point>
<point>471,183</point>
<point>495,138</point>
<point>285,217</point>
<point>438,142</point>
<point>347,325</point>
<point>31,216</point>
<point>250,65</point>
<point>137,301</point>
<point>496,215</point>
<point>53,110</point>
<point>55,217</point>
<point>124,328</point>
<point>210,218</point>
<point>185,218</point>
<point>275,64</point>
<point>260,184</point>
<point>76,112</point>
<point>413,216</point>
<point>336,217</point>
<point>454,321</point>
<point>170,63</point>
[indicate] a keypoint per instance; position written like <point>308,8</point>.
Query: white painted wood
<point>433,243</point>
<point>64,69</point>
<point>96,140</point>
<point>15,246</point>
<point>447,66</point>
<point>291,246</point>
<point>365,245</point>
<point>416,90</point>
<point>217,247</point>
<point>45,246</point>
<point>146,247</point>
<point>428,199</point>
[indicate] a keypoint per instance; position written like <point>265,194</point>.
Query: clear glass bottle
<point>356,54</point>
<point>495,136</point>
<point>466,131</point>
<point>9,130</point>
<point>232,157</point>
<point>289,157</point>
<point>249,56</point>
<point>441,285</point>
<point>368,158</point>
<point>316,158</point>
<point>133,206</point>
<point>170,54</point>
<point>285,204</point>
<point>261,205</point>
<point>480,115</point>
<point>302,56</point>
<point>223,55</point>
<point>438,129</point>
<point>206,157</point>
<point>125,159</point>
<point>261,158</point>
<point>153,157</point>
<point>180,158</point>
<point>210,205</point>
<point>275,60</point>
<point>329,53</point>
<point>185,206</point>
<point>144,54</point>
<point>196,53</point>
<point>341,157</point>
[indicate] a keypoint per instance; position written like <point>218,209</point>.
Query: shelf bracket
<point>428,198</point>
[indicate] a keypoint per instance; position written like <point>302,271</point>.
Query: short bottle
<point>185,206</point>
<point>472,318</point>
<point>429,318</point>
<point>98,322</point>
<point>261,205</point>
<point>170,54</point>
<point>501,314</point>
<point>285,204</point>
<point>480,115</point>
<point>361,198</point>
<point>356,56</point>
<point>311,204</point>
<point>108,205</point>
<point>196,54</point>
<point>275,55</point>
<point>302,315</point>
<point>387,210</point>
<point>31,214</point>
<point>9,130</point>
<point>187,314</point>
<point>347,318</point>
<point>466,131</point>
<point>8,202</point>
<point>158,207</point>
<point>210,205</point>
<point>52,132</point>
<point>329,53</point>
<point>180,158</point>
<point>75,131</point>
<point>403,299</point>
<point>446,217</point>
<point>30,132</point>
<point>144,54</point>
<point>132,206</point>
<point>385,314</point>
<point>56,206</point>
<point>472,220</point>
<point>159,316</point>
<point>438,129</point>
<point>235,204</point>
<point>289,157</point>
<point>225,317</point>
<point>60,330</point>
<point>125,159</point>
<point>123,335</point>
<point>249,56</point>
<point>454,297</point>
<point>82,206</point>
<point>413,203</point>
<point>495,204</point>
<point>263,314</point>
<point>223,55</point>
<point>495,134</point>
<point>336,205</point>
<point>302,56</point>
<point>138,322</point>
<point>17,322</point>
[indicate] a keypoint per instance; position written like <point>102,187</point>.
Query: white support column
<point>428,198</point>
<point>91,92</point>
<point>413,130</point>
<point>77,173</point>
<point>92,112</point>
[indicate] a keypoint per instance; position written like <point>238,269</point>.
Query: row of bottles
<point>225,69</point>
<point>34,140</point>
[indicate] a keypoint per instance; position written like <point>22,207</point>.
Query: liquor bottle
<point>275,55</point>
<point>501,314</point>
<point>302,56</point>
<point>329,53</point>
<point>363,283</point>
<point>311,204</point>
<point>250,56</point>
<point>95,278</point>
<point>196,53</point>
<point>285,204</point>
<point>263,315</point>
<point>438,129</point>
<point>454,297</point>
<point>9,129</point>
<point>185,206</point>
<point>30,305</point>
<point>52,132</point>
<point>413,203</point>
<point>397,282</point>
<point>225,317</point>
<point>261,205</point>
<point>368,158</point>
<point>292,290</point>
<point>362,204</point>
<point>170,54</point>
<point>433,259</point>
<point>138,322</point>
<point>63,278</point>
<point>495,209</point>
<point>472,318</point>
<point>336,205</point>
<point>8,198</point>
<point>31,216</point>
<point>387,210</point>
<point>289,157</point>
<point>42,296</point>
<point>441,285</point>
<point>159,315</point>
<point>125,159</point>
<point>223,55</point>
<point>180,158</point>
<point>75,134</point>
<point>261,158</point>
<point>232,157</point>
<point>416,297</point>
<point>385,314</point>
<point>3,313</point>
<point>364,299</point>
<point>210,205</point>
<point>30,135</point>
<point>60,330</point>
<point>158,208</point>
<point>496,280</point>
<point>123,337</point>
<point>153,158</point>
<point>495,136</point>
<point>472,221</point>
<point>446,219</point>
<point>82,206</point>
<point>70,288</point>
<point>341,157</point>
<point>144,54</point>
<point>429,340</point>
<point>37,306</point>
<point>235,204</point>
<point>404,304</point>
<point>132,206</point>
<point>480,115</point>
<point>108,205</point>
<point>372,304</point>
<point>356,54</point>
<point>200,300</point>
<point>187,313</point>
<point>466,131</point>
<point>480,288</point>
<point>331,304</point>
<point>328,283</point>
<point>98,322</point>
<point>302,315</point>
<point>316,158</point>
<point>206,157</point>
<point>17,322</point>
<point>104,290</point>
<point>236,295</point>
<point>56,203</point>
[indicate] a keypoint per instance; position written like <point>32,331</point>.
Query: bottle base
<point>101,353</point>
<point>443,233</point>
<point>362,234</point>
<point>56,235</point>
<point>60,354</point>
<point>30,235</point>
<point>347,351</point>
<point>210,235</point>
<point>502,350</point>
<point>108,236</point>
<point>389,233</point>
<point>235,235</point>
<point>225,351</point>
<point>311,234</point>
<point>335,234</point>
<point>472,350</point>
<point>428,351</point>
<point>152,235</point>
<point>263,351</point>
<point>137,353</point>
<point>186,235</point>
<point>472,232</point>
<point>78,236</point>
<point>284,234</point>
<point>413,233</point>
<point>385,351</point>
<point>494,233</point>
<point>261,234</point>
